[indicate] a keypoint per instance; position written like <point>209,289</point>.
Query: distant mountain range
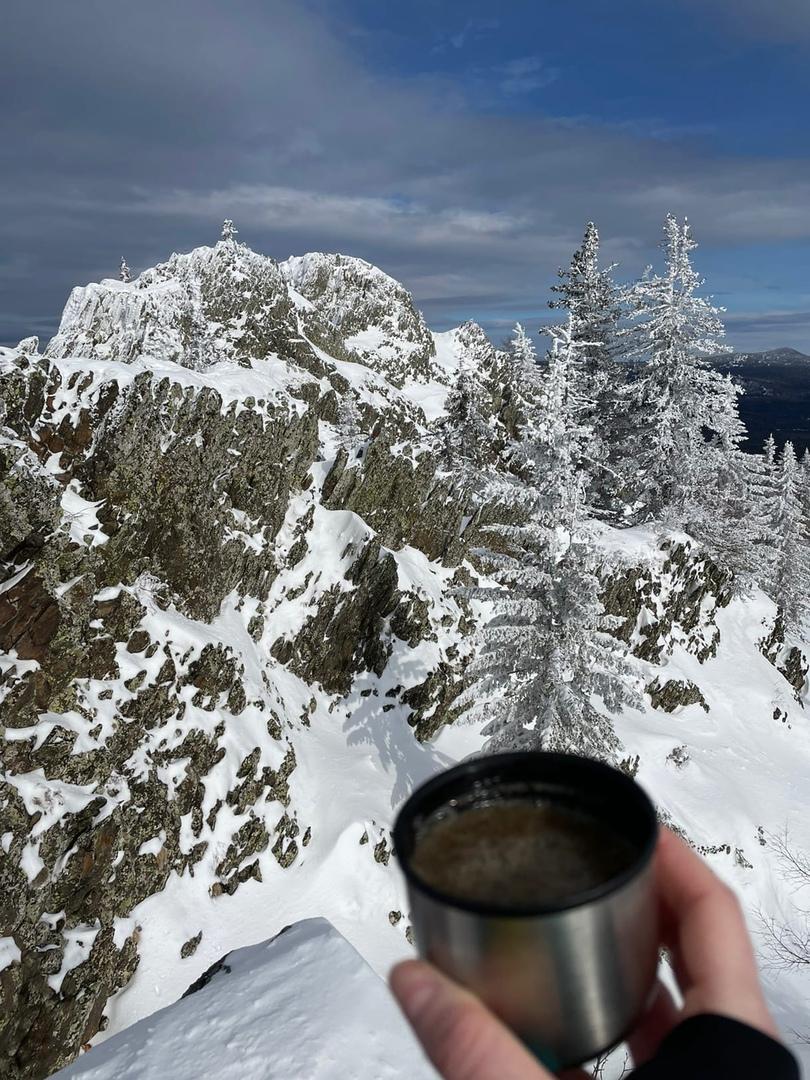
<point>777,394</point>
<point>769,359</point>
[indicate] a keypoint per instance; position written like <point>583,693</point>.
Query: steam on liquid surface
<point>517,853</point>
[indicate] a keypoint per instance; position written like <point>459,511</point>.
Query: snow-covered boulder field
<point>233,632</point>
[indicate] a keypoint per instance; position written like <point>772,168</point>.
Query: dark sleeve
<point>716,1048</point>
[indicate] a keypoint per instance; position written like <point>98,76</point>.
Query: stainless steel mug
<point>571,979</point>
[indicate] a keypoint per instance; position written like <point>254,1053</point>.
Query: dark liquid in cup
<point>517,853</point>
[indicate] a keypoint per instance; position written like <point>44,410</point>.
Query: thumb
<point>459,1035</point>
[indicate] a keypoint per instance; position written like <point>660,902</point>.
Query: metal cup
<point>571,979</point>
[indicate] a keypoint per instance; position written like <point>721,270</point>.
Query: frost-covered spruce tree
<point>524,353</point>
<point>124,271</point>
<point>790,587</point>
<point>755,523</point>
<point>588,293</point>
<point>685,413</point>
<point>804,487</point>
<point>548,669</point>
<point>229,231</point>
<point>465,434</point>
<point>730,513</point>
<point>524,377</point>
<point>769,452</point>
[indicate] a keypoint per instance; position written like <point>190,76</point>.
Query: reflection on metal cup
<point>570,977</point>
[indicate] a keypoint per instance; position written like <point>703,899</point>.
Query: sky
<point>460,146</point>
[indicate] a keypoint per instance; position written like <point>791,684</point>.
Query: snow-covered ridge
<point>230,303</point>
<point>218,308</point>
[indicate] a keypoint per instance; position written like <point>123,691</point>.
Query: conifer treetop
<point>523,349</point>
<point>229,231</point>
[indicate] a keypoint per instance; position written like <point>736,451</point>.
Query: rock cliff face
<point>199,502</point>
<point>230,561</point>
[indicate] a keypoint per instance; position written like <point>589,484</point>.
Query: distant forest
<point>777,396</point>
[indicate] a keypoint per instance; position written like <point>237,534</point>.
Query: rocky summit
<point>221,526</point>
<point>235,619</point>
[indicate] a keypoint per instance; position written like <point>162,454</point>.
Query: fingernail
<point>414,986</point>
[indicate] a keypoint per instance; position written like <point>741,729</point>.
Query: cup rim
<point>538,762</point>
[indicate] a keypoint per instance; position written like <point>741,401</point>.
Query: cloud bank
<point>135,129</point>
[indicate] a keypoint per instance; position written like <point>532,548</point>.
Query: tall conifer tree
<point>549,671</point>
<point>592,300</point>
<point>686,416</point>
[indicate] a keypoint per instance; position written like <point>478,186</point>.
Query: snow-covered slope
<point>301,1005</point>
<point>732,769</point>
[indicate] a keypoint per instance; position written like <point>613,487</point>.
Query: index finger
<point>714,957</point>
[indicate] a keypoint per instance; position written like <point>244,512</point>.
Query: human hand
<point>702,927</point>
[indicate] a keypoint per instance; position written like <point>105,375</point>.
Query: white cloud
<point>273,120</point>
<point>525,74</point>
<point>354,216</point>
<point>473,28</point>
<point>763,204</point>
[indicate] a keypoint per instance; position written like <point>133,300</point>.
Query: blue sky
<point>460,146</point>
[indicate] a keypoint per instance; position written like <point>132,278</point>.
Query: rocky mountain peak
<point>229,303</point>
<point>196,309</point>
<point>373,314</point>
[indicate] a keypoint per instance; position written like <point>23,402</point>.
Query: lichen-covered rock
<point>786,658</point>
<point>679,756</point>
<point>432,702</point>
<point>401,498</point>
<point>671,602</point>
<point>285,849</point>
<point>29,498</point>
<point>188,948</point>
<point>673,694</point>
<point>382,852</point>
<point>39,1034</point>
<point>347,633</point>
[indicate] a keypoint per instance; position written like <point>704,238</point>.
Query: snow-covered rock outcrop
<point>304,1004</point>
<point>371,312</point>
<point>228,302</point>
<point>196,309</point>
